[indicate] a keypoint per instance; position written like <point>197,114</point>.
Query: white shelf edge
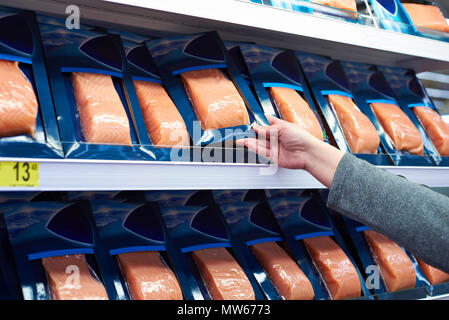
<point>262,24</point>
<point>70,174</point>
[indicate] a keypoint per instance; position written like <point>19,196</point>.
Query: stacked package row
<point>416,17</point>
<point>103,94</point>
<point>200,245</point>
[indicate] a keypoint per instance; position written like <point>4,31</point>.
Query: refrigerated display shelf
<point>246,21</point>
<point>67,174</point>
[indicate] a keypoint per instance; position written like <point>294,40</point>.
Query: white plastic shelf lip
<point>67,174</point>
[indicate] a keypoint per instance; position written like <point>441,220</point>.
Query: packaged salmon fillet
<point>28,125</point>
<point>317,247</point>
<point>164,124</point>
<point>395,266</point>
<point>413,100</point>
<point>252,228</point>
<point>389,271</point>
<point>294,108</point>
<point>434,275</point>
<point>142,264</point>
<point>285,274</point>
<point>426,16</point>
<point>402,139</point>
<point>163,120</point>
<point>207,86</point>
<point>216,101</point>
<point>399,128</point>
<point>148,277</point>
<point>280,87</point>
<point>360,133</point>
<point>18,101</point>
<point>199,239</point>
<point>337,270</point>
<point>436,128</point>
<point>60,260</point>
<point>98,111</point>
<point>349,124</point>
<point>102,115</point>
<point>223,277</point>
<point>63,287</point>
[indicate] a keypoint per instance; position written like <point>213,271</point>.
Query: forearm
<point>322,161</point>
<point>412,215</point>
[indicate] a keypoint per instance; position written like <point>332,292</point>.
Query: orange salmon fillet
<point>283,272</point>
<point>349,5</point>
<point>18,103</point>
<point>216,101</point>
<point>426,16</point>
<point>61,274</point>
<point>222,275</point>
<point>102,115</point>
<point>163,120</point>
<point>293,108</point>
<point>399,127</point>
<point>148,277</point>
<point>436,128</point>
<point>434,275</point>
<point>360,133</point>
<point>395,266</point>
<point>336,269</point>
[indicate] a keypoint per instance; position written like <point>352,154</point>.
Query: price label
<point>19,174</point>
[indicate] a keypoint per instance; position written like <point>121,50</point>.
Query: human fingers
<point>261,147</point>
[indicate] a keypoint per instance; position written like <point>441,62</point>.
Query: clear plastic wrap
<point>399,127</point>
<point>293,108</point>
<point>360,133</point>
<point>336,270</point>
<point>436,128</point>
<point>18,103</point>
<point>215,99</point>
<point>163,120</point>
<point>283,272</point>
<point>70,277</point>
<point>102,115</point>
<point>148,277</point>
<point>222,275</point>
<point>395,266</point>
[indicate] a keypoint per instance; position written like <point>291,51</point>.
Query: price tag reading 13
<point>19,174</point>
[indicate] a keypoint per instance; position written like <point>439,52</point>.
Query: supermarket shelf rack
<point>67,174</point>
<point>257,23</point>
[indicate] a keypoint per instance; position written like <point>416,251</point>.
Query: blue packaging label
<point>128,227</point>
<point>92,52</point>
<point>24,46</point>
<point>194,228</point>
<point>250,222</point>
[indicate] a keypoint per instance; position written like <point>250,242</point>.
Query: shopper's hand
<point>282,142</point>
<point>291,147</point>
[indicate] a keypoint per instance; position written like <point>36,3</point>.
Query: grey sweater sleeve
<point>412,215</point>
